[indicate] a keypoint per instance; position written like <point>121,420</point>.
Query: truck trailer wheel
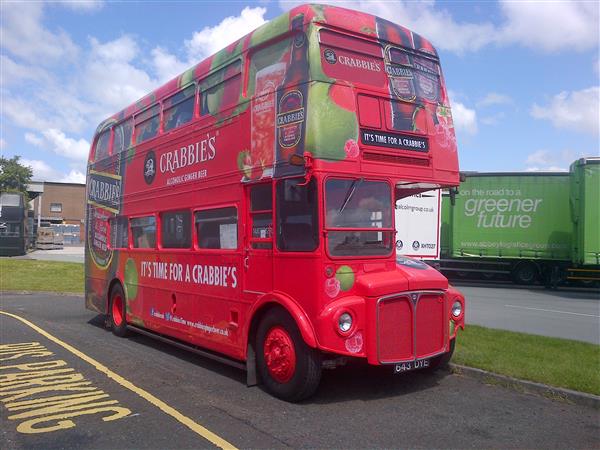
<point>288,368</point>
<point>116,311</point>
<point>525,273</point>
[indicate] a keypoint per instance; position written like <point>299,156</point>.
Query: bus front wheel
<point>117,311</point>
<point>288,368</point>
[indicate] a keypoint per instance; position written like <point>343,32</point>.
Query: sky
<point>523,76</point>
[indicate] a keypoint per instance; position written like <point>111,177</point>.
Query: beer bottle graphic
<point>291,104</point>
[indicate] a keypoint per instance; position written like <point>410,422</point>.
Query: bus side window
<point>267,68</point>
<point>146,124</point>
<point>122,136</point>
<point>297,216</point>
<point>176,229</point>
<point>179,108</point>
<point>102,146</point>
<point>221,90</point>
<point>119,232</point>
<point>143,231</point>
<point>217,228</point>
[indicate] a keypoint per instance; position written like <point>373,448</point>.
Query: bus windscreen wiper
<point>355,184</point>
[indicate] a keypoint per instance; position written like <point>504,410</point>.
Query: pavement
<point>145,394</point>
<point>66,254</point>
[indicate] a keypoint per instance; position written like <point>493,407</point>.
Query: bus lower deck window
<point>143,231</point>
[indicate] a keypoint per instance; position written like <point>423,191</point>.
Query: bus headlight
<point>456,309</point>
<point>345,322</point>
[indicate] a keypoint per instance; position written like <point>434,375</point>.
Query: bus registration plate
<point>411,365</point>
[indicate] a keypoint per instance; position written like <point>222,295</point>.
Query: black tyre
<point>116,311</point>
<point>525,273</point>
<point>288,368</point>
<point>441,361</point>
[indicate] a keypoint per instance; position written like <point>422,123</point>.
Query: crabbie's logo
<point>189,155</point>
<point>329,56</point>
<point>149,167</point>
<point>104,190</point>
<point>360,63</point>
<point>290,117</point>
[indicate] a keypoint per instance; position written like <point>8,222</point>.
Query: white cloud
<point>111,79</point>
<point>83,5</point>
<point>24,36</point>
<point>493,98</point>
<point>576,110</point>
<point>494,119</point>
<point>24,113</point>
<point>34,139</point>
<point>167,66</point>
<point>465,119</point>
<point>13,73</point>
<point>74,176</point>
<point>551,25</point>
<point>43,172</point>
<point>548,26</point>
<point>65,146</point>
<point>551,161</point>
<point>211,39</point>
<point>3,143</point>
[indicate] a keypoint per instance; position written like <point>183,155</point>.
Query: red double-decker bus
<point>244,210</point>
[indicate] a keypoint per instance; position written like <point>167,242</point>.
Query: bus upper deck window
<point>221,89</point>
<point>352,59</point>
<point>102,146</point>
<point>122,136</point>
<point>146,124</point>
<point>179,108</point>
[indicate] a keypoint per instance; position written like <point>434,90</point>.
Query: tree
<point>13,175</point>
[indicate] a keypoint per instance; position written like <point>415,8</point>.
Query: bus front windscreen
<point>358,217</point>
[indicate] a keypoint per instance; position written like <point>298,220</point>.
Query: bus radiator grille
<point>410,329</point>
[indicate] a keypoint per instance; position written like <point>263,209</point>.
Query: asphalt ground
<point>564,313</point>
<point>160,397</point>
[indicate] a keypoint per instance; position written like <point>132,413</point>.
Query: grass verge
<point>32,275</point>
<point>553,361</point>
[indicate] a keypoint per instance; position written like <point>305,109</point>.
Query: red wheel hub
<point>280,355</point>
<point>117,310</point>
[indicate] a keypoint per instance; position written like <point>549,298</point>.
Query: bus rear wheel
<point>288,368</point>
<point>117,311</point>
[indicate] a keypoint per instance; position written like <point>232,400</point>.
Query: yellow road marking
<point>195,427</point>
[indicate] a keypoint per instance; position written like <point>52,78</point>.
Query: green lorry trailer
<point>534,227</point>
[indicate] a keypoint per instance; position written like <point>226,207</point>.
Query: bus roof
<point>355,22</point>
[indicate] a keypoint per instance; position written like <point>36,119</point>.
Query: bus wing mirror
<point>304,161</point>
